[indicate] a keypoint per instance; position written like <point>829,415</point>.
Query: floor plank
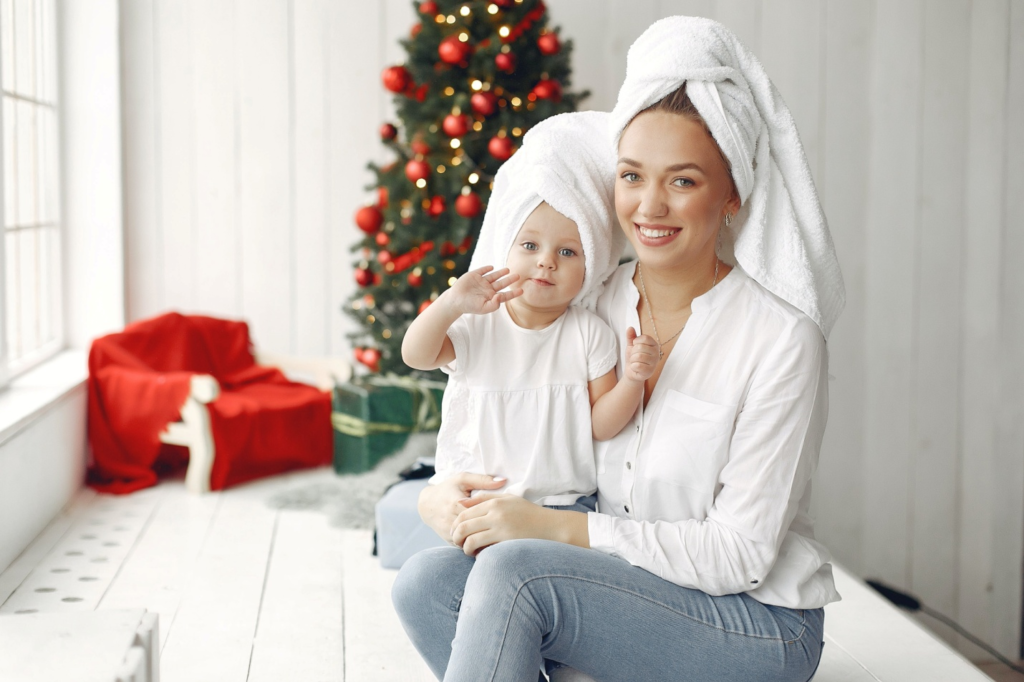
<point>299,635</point>
<point>211,638</point>
<point>164,561</point>
<point>376,648</point>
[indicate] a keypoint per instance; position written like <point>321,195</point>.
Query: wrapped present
<point>400,531</point>
<point>373,416</point>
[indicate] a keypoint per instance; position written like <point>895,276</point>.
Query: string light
<point>492,9</point>
<point>450,19</point>
<point>455,143</point>
<point>433,128</point>
<point>431,270</point>
<point>503,31</point>
<point>441,169</point>
<point>386,333</point>
<point>456,161</point>
<point>439,18</point>
<point>357,305</point>
<point>449,265</point>
<point>449,91</point>
<point>421,183</point>
<point>473,178</point>
<point>452,281</point>
<point>390,267</point>
<point>476,85</point>
<point>478,126</point>
<point>463,37</point>
<point>516,101</point>
<point>464,11</point>
<point>370,319</point>
<point>516,132</point>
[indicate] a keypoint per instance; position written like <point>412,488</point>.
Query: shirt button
<point>627,508</point>
<point>629,465</point>
<point>637,427</point>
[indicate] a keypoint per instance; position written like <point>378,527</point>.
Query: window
<point>30,249</point>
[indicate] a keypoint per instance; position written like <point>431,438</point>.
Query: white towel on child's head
<point>781,237</point>
<point>566,161</point>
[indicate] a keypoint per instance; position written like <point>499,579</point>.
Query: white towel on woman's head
<point>566,161</point>
<point>781,237</point>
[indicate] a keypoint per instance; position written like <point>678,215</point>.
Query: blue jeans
<point>521,602</point>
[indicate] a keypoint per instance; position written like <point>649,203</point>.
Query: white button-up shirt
<point>709,485</point>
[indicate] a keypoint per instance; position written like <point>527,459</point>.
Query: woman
<point>701,564</point>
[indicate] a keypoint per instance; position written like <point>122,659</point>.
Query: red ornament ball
<point>420,147</point>
<point>484,103</point>
<point>428,7</point>
<point>417,170</point>
<point>500,148</point>
<point>548,89</point>
<point>415,30</point>
<point>369,357</point>
<point>455,125</point>
<point>437,206</point>
<point>423,306</point>
<point>364,277</point>
<point>548,44</point>
<point>504,4</point>
<point>382,197</point>
<point>505,62</point>
<point>382,239</point>
<point>369,219</point>
<point>388,132</point>
<point>396,78</point>
<point>453,51</point>
<point>469,205</point>
<point>414,279</point>
<point>383,257</point>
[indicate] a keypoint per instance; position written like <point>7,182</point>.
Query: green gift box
<point>373,416</point>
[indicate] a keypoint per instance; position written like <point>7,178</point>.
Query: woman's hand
<point>480,291</point>
<point>492,517</point>
<point>438,505</point>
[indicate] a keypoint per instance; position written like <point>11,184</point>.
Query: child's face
<point>548,257</point>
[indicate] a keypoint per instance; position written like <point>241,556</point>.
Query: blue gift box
<point>400,531</point>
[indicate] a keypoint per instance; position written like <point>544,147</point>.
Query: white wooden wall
<point>247,126</point>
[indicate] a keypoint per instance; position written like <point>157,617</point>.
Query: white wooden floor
<point>249,592</point>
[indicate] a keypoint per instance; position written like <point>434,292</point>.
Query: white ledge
<point>29,396</point>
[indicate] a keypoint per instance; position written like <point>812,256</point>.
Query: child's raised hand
<point>642,354</point>
<point>480,291</point>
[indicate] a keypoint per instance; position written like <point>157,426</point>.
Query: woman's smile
<point>655,235</point>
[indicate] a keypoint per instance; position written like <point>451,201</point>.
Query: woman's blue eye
<point>566,252</point>
<point>630,176</point>
<point>682,182</point>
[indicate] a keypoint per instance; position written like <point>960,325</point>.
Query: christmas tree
<point>478,76</point>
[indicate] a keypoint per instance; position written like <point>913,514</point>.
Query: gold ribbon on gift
<point>426,409</point>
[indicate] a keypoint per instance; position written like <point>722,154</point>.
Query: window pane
<point>7,41</point>
<point>25,158</point>
<point>49,298</point>
<point>9,165</point>
<point>48,178</point>
<point>29,276</point>
<point>24,47</point>
<point>49,64</point>
<point>11,283</point>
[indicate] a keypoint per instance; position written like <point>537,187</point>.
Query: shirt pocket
<point>690,442</point>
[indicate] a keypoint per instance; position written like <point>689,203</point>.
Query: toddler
<point>532,371</point>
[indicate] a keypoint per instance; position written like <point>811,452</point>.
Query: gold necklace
<point>650,312</point>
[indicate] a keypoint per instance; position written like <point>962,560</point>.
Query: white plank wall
<point>247,127</point>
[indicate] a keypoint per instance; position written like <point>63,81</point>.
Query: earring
<point>728,219</point>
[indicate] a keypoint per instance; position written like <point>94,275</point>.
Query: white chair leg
<point>194,433</point>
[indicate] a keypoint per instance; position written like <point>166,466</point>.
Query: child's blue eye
<point>568,253</point>
<point>529,246</point>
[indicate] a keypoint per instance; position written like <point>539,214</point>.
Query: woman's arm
<point>613,403</point>
<point>490,518</point>
<point>426,344</point>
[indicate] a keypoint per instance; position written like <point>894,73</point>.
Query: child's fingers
<point>645,340</point>
<point>503,296</point>
<point>482,270</point>
<point>504,282</point>
<point>496,274</point>
<point>630,336</point>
